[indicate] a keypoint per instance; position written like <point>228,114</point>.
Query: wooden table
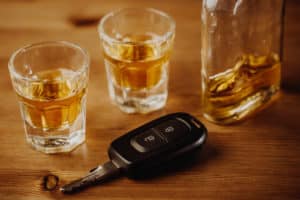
<point>257,159</point>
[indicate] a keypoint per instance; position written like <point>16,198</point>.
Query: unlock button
<point>173,129</point>
<point>147,141</point>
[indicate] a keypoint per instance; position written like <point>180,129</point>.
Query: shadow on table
<point>196,159</point>
<point>280,115</point>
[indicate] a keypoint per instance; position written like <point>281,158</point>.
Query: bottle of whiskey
<point>241,57</point>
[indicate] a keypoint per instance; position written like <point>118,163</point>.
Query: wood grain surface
<point>257,159</point>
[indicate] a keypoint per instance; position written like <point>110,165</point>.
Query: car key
<point>145,148</point>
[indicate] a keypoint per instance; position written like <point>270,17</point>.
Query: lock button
<point>147,141</point>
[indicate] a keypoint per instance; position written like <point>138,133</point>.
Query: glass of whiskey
<point>137,44</point>
<point>241,57</point>
<point>50,80</point>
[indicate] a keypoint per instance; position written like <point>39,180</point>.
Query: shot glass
<point>50,80</point>
<point>137,45</point>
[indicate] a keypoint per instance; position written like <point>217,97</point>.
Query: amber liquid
<point>136,65</point>
<point>137,72</point>
<point>233,95</point>
<point>49,102</point>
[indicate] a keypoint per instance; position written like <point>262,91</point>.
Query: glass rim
<point>17,52</point>
<point>165,36</point>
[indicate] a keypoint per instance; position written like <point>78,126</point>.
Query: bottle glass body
<point>241,57</point>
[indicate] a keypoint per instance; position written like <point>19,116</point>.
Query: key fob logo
<point>149,138</point>
<point>169,129</point>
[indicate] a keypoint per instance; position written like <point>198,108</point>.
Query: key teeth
<point>65,191</point>
<point>62,189</point>
<point>97,175</point>
<point>69,190</point>
<point>71,187</point>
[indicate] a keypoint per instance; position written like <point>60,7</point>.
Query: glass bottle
<point>241,57</point>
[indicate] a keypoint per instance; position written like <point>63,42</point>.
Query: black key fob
<point>143,150</point>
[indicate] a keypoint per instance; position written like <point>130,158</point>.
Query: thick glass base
<point>247,107</point>
<point>57,140</point>
<point>140,105</point>
<point>64,137</point>
<point>139,101</point>
<point>56,144</point>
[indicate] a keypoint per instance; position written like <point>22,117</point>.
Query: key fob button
<point>147,141</point>
<point>173,129</point>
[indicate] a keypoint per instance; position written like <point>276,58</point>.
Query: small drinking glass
<point>137,44</point>
<point>50,80</point>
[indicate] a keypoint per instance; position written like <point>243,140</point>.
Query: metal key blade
<point>97,175</point>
